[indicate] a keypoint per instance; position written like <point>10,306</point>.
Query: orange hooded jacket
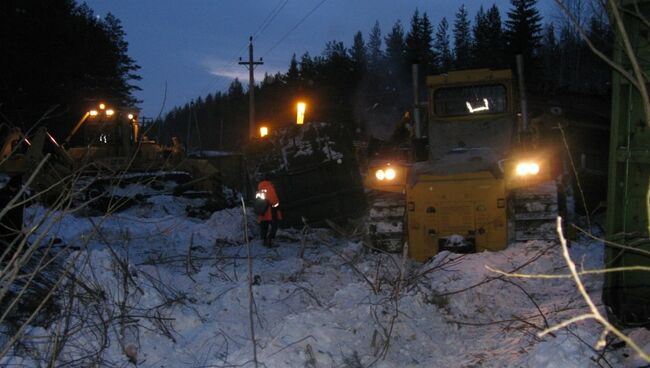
<point>271,196</point>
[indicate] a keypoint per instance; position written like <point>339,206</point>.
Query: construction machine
<point>489,178</point>
<point>103,154</point>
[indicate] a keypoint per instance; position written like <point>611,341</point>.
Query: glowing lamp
<point>110,112</point>
<point>92,112</point>
<point>264,131</point>
<point>300,118</point>
<point>390,174</point>
<point>527,168</point>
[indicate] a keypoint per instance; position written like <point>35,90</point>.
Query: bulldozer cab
<point>117,131</point>
<point>471,109</point>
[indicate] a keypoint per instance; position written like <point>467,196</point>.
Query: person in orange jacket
<point>272,214</point>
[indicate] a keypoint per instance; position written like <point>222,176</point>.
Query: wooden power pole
<point>250,64</point>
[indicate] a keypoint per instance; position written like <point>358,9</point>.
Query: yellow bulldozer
<point>490,178</point>
<point>104,151</point>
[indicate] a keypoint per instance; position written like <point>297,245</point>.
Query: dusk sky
<point>194,46</point>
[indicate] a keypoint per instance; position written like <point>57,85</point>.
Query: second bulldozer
<point>489,178</point>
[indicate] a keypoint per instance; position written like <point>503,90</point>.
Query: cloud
<point>229,69</point>
<point>224,68</point>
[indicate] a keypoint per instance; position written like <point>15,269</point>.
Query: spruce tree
<point>523,31</point>
<point>358,52</point>
<point>441,46</point>
<point>413,39</point>
<point>495,39</point>
<point>462,39</point>
<point>395,47</point>
<point>419,41</point>
<point>487,46</point>
<point>374,46</point>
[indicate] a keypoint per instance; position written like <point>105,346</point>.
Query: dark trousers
<point>264,225</point>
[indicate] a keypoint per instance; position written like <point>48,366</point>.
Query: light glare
<point>527,168</point>
<point>390,174</point>
<point>380,175</point>
<point>300,118</point>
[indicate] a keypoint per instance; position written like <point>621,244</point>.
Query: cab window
<point>470,100</point>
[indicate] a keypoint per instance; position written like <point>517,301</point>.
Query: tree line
<point>367,85</point>
<point>60,57</point>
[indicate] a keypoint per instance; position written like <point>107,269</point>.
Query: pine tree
<point>495,39</point>
<point>487,46</point>
<point>462,39</point>
<point>126,67</point>
<point>419,41</point>
<point>358,52</point>
<point>413,40</point>
<point>479,45</point>
<point>523,31</point>
<point>293,74</point>
<point>395,47</point>
<point>374,46</point>
<point>441,46</point>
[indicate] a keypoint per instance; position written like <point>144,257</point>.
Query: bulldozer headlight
<point>527,168</point>
<point>390,174</point>
<point>380,174</point>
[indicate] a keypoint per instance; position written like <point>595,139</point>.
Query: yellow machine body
<point>470,205</point>
<point>462,190</point>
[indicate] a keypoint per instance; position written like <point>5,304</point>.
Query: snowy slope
<point>172,291</point>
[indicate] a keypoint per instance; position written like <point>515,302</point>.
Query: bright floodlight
<point>102,106</point>
<point>110,112</point>
<point>130,116</point>
<point>390,174</point>
<point>527,168</point>
<point>92,113</point>
<point>379,174</point>
<point>300,118</point>
<point>264,131</point>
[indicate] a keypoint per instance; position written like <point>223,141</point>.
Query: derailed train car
<point>314,169</point>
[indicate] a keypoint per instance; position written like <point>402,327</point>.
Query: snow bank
<point>337,306</point>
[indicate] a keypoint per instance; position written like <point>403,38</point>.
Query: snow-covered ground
<point>158,289</point>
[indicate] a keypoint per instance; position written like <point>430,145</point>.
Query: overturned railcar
<point>314,169</point>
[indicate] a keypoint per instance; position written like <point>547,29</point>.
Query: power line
<point>261,28</point>
<point>294,27</point>
<point>270,18</point>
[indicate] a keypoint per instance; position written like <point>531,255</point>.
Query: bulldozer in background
<point>105,152</point>
<point>490,177</point>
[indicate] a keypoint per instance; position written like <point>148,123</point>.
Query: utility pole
<point>250,64</point>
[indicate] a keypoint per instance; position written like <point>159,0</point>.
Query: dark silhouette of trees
<point>58,55</point>
<point>488,43</point>
<point>375,54</point>
<point>418,43</point>
<point>462,39</point>
<point>523,31</point>
<point>441,45</point>
<point>367,87</point>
